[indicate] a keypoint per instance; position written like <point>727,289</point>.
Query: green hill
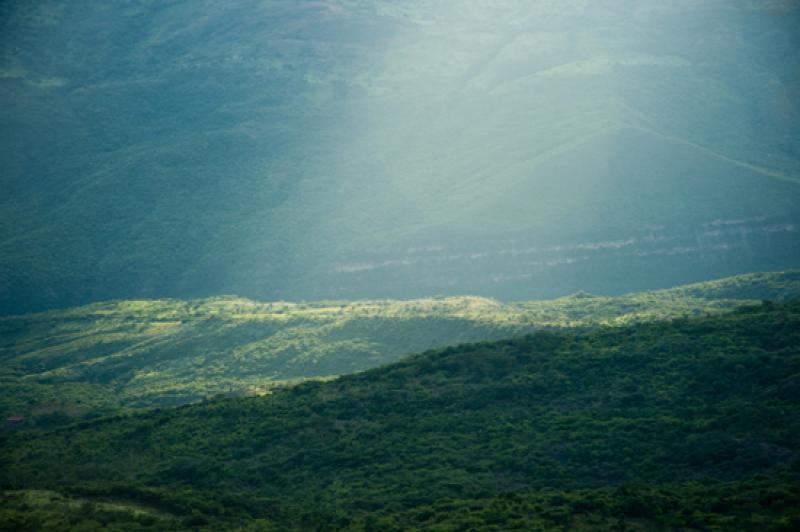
<point>692,423</point>
<point>88,360</point>
<point>350,149</point>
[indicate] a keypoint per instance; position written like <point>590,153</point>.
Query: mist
<point>355,149</point>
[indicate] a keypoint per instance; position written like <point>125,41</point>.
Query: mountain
<point>688,424</point>
<point>91,360</point>
<point>350,149</point>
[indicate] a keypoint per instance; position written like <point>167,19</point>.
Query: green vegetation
<point>366,155</point>
<point>47,510</point>
<point>90,360</point>
<point>692,423</point>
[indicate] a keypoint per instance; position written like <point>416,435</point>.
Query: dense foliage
<point>688,423</point>
<point>133,354</point>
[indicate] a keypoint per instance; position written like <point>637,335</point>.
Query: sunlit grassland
<point>131,354</point>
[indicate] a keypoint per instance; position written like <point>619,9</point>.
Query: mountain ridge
<point>86,361</point>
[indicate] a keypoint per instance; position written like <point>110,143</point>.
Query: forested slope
<point>687,423</point>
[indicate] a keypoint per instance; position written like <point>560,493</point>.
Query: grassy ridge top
<point>79,361</point>
<point>687,423</point>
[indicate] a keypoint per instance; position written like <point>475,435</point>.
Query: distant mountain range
<point>346,149</point>
<point>93,360</point>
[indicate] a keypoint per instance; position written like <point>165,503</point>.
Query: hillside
<point>692,423</point>
<point>133,354</point>
<point>351,149</point>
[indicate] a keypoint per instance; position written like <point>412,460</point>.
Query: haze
<point>351,149</point>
